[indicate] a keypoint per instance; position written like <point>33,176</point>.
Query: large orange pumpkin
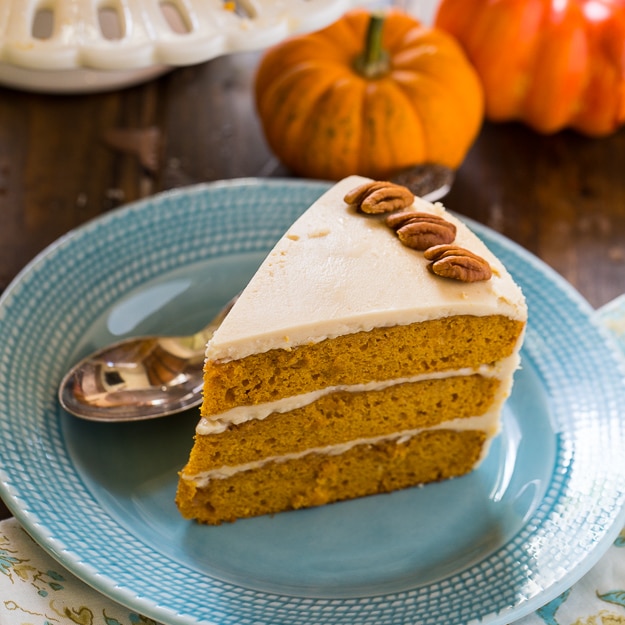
<point>369,95</point>
<point>549,63</point>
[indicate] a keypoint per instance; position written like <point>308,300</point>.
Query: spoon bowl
<point>139,378</point>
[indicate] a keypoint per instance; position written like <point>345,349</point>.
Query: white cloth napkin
<point>37,590</point>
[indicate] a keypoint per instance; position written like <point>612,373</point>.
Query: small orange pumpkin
<point>371,94</point>
<point>549,63</point>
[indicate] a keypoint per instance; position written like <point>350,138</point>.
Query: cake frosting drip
<point>329,275</point>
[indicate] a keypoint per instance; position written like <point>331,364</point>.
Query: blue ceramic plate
<point>489,547</point>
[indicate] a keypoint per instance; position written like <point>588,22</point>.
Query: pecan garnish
<point>458,263</point>
<point>379,197</point>
<point>419,230</point>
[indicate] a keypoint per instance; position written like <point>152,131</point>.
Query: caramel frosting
<point>336,272</point>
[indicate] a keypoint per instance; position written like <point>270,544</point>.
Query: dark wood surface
<point>67,159</point>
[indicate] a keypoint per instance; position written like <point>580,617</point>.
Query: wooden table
<point>67,159</point>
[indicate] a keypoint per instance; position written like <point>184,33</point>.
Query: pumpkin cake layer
<point>322,478</point>
<point>343,416</point>
<point>346,368</point>
<point>381,354</point>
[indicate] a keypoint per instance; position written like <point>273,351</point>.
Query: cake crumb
<point>316,234</point>
<point>293,237</point>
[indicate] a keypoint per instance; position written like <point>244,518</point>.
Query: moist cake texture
<point>348,368</point>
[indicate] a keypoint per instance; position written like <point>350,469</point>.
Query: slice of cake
<point>372,351</point>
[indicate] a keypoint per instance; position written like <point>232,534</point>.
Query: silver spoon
<point>148,377</point>
<point>139,378</point>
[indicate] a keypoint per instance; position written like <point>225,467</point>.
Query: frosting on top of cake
<point>337,271</point>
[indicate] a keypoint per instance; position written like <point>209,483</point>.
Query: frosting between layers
<point>488,422</point>
<point>220,422</point>
<point>339,272</point>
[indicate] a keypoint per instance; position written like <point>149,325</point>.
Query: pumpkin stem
<point>373,62</point>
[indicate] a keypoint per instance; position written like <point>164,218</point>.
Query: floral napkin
<point>36,590</point>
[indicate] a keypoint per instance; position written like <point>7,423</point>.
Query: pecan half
<point>458,263</point>
<point>420,231</point>
<point>379,197</point>
<point>441,251</point>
